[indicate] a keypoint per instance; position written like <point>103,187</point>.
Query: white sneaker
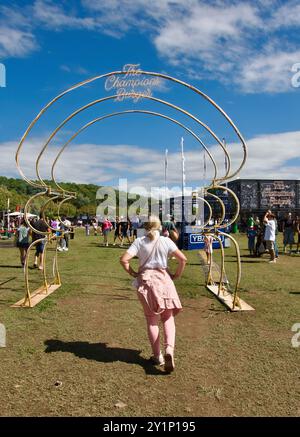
<point>158,360</point>
<point>65,249</point>
<point>169,360</point>
<point>273,261</point>
<point>60,249</point>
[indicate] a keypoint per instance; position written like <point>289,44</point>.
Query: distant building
<point>258,195</point>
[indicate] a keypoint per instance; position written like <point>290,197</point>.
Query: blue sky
<point>239,53</point>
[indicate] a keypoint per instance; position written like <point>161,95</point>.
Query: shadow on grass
<point>295,292</point>
<point>10,267</point>
<point>6,281</point>
<point>102,353</point>
<point>110,246</point>
<point>248,261</point>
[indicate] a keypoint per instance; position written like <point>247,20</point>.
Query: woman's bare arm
<point>125,260</point>
<point>181,258</point>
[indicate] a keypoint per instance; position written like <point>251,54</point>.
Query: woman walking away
<point>155,287</point>
<point>106,228</point>
<point>23,233</point>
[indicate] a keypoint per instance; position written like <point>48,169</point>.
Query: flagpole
<point>225,160</point>
<point>204,167</point>
<point>226,186</point>
<point>182,194</point>
<point>166,173</point>
<point>8,211</point>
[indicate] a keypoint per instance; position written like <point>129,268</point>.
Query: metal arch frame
<point>137,72</point>
<point>237,211</point>
<point>209,276</point>
<point>104,99</point>
<point>65,195</point>
<point>129,111</point>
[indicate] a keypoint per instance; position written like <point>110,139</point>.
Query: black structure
<point>258,195</point>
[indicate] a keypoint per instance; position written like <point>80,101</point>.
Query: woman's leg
<point>25,254</point>
<point>21,254</point>
<point>168,321</point>
<point>153,334</point>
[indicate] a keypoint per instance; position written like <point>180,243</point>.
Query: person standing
<point>208,247</point>
<point>117,231</point>
<point>169,229</point>
<point>288,232</point>
<point>269,235</point>
<point>95,227</point>
<point>251,234</point>
<point>135,222</point>
<point>87,229</point>
<point>275,241</point>
<point>155,287</point>
<point>22,234</point>
<point>124,227</point>
<point>298,232</point>
<point>65,228</point>
<point>39,225</point>
<point>106,228</point>
<point>250,221</point>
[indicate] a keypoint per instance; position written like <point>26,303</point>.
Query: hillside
<point>18,192</point>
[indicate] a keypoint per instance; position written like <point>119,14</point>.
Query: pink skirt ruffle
<point>157,292</point>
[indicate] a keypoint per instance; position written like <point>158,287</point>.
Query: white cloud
<point>274,156</point>
<point>16,36</point>
<point>16,43</point>
<point>269,71</point>
<point>54,16</point>
<point>77,69</point>
<point>287,15</point>
<point>245,44</point>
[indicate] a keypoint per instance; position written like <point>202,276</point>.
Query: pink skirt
<point>157,292</point>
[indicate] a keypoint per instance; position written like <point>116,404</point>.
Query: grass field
<point>84,351</point>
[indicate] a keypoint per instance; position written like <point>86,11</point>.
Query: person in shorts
<point>23,233</point>
<point>39,225</point>
<point>269,236</point>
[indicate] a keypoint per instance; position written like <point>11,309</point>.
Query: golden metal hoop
<point>61,195</point>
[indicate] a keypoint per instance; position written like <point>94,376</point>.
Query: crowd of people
<point>263,234</point>
<point>24,235</point>
<point>125,230</point>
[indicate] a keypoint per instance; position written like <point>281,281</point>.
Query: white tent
<point>20,214</point>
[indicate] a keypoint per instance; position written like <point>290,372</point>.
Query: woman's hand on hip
<point>134,274</point>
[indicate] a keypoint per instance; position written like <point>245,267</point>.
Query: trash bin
<point>234,228</point>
